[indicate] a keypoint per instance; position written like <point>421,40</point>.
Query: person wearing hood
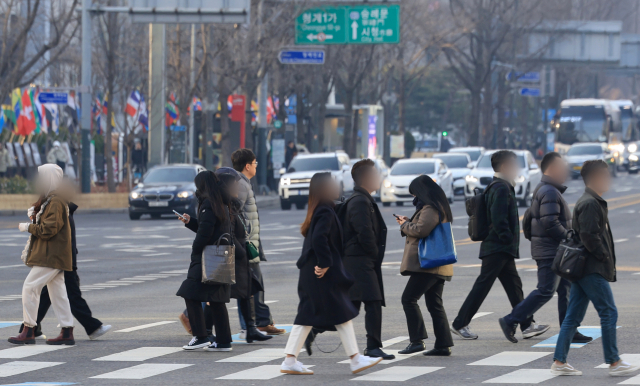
<point>48,254</point>
<point>57,155</point>
<point>432,208</point>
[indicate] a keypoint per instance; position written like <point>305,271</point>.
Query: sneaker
<point>196,343</point>
<point>100,331</point>
<point>215,346</point>
<point>564,369</point>
<point>464,333</point>
<point>535,329</point>
<point>296,369</point>
<point>243,334</point>
<point>622,369</point>
<point>579,338</point>
<point>271,330</point>
<point>212,338</point>
<point>362,363</point>
<point>413,347</point>
<point>509,330</point>
<point>378,353</point>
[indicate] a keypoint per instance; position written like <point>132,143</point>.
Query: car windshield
<point>453,161</point>
<point>170,175</point>
<point>413,168</point>
<point>313,163</point>
<point>585,150</point>
<point>485,161</point>
<point>473,154</point>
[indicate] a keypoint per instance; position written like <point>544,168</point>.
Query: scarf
<point>418,204</point>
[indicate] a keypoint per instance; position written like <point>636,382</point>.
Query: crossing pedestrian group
<point>340,266</point>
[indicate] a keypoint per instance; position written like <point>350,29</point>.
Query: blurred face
<point>331,190</point>
<point>558,171</point>
<point>371,180</point>
<point>510,168</point>
<point>232,188</point>
<point>600,181</point>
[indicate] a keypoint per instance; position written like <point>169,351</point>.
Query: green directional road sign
<point>363,24</point>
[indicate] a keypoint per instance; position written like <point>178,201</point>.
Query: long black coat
<point>242,288</point>
<point>550,219</point>
<point>324,302</point>
<point>208,230</point>
<point>365,233</point>
<point>74,246</point>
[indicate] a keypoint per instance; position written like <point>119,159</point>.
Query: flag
<point>133,104</point>
<point>41,115</point>
<point>1,121</point>
<point>143,114</point>
<point>105,104</point>
<point>53,116</point>
<point>271,113</point>
<point>9,114</point>
<point>26,120</point>
<point>16,104</point>
<point>37,108</point>
<point>196,103</point>
<point>172,114</point>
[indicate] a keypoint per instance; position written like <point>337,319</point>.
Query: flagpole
<point>85,121</point>
<point>189,152</point>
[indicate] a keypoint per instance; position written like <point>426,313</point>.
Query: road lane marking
<point>141,371</point>
<point>510,358</point>
<point>142,327</point>
<point>620,240</point>
<point>157,254</point>
<point>632,359</point>
<point>19,367</point>
<point>266,302</point>
<point>397,374</point>
<point>593,331</point>
<point>392,341</point>
<point>528,376</point>
<point>399,357</point>
<point>139,354</point>
<point>263,372</point>
<point>480,315</point>
<point>4,324</point>
<point>262,355</point>
<point>27,351</point>
<point>287,243</point>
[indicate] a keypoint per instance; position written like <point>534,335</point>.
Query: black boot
<point>438,352</point>
<point>254,334</point>
<point>308,343</point>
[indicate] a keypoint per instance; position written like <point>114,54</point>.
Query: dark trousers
<point>372,322</point>
<point>431,287</point>
<point>213,315</point>
<point>548,284</point>
<point>261,312</point>
<point>499,266</point>
<point>79,307</point>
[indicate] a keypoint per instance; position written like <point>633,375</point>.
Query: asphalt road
<point>130,271</point>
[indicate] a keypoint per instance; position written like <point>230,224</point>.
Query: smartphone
<point>179,215</point>
<point>394,215</point>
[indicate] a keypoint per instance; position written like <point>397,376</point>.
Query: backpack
<point>526,219</point>
<point>570,258</point>
<point>476,206</point>
<point>341,210</point>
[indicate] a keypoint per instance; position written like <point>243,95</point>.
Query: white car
<point>381,167</point>
<point>293,187</point>
<point>395,188</point>
<point>458,163</point>
<point>474,152</point>
<point>482,174</point>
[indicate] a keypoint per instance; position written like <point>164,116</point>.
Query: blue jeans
<point>548,284</point>
<point>596,289</point>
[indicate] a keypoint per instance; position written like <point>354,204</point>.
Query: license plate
<point>303,192</point>
<point>158,203</point>
<point>577,168</point>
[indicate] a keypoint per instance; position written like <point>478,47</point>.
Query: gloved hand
<point>30,211</point>
<point>24,227</point>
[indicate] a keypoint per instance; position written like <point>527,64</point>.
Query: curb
<point>266,202</point>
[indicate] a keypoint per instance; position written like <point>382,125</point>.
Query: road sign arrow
<point>311,37</point>
<point>354,30</point>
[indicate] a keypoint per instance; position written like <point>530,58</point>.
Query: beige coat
<point>419,227</point>
<point>50,242</point>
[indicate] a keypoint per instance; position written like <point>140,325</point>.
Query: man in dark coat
<point>550,220</point>
<point>365,238</point>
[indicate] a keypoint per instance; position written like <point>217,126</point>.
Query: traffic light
<point>444,133</point>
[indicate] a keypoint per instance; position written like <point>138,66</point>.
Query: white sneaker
<point>363,362</point>
<point>622,369</point>
<point>565,369</point>
<point>100,331</point>
<point>295,369</point>
<point>243,334</point>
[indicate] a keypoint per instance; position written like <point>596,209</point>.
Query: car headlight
<point>618,147</point>
<point>135,195</point>
<point>520,179</point>
<point>185,194</point>
<point>470,178</point>
<point>285,181</point>
<point>632,148</point>
<point>633,158</point>
<point>387,184</point>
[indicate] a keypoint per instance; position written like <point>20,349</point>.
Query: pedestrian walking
<point>500,248</point>
<point>323,284</point>
<point>48,254</point>
<point>591,224</point>
<point>5,161</point>
<point>210,227</point>
<point>549,221</point>
<point>242,289</point>
<point>432,208</point>
<point>290,152</point>
<point>57,155</point>
<point>365,235</point>
<point>244,162</point>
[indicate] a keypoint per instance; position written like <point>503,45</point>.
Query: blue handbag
<point>438,248</point>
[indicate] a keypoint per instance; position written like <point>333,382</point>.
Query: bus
<point>628,120</point>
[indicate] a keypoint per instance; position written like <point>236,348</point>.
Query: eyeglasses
<point>255,163</point>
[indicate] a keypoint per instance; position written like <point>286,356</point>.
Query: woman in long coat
<point>432,208</point>
<point>211,226</point>
<point>323,286</point>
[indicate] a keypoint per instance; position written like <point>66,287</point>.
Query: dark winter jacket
<point>365,234</point>
<point>591,223</point>
<point>242,288</point>
<point>324,302</point>
<point>208,230</point>
<point>504,222</point>
<point>74,249</point>
<point>550,219</point>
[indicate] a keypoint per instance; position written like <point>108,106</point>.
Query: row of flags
<point>28,115</point>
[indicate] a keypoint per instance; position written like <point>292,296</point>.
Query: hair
<point>548,159</point>
<point>38,205</point>
<point>210,188</point>
<point>591,167</point>
<point>430,193</point>
<point>500,157</point>
<point>241,157</point>
<point>361,168</point>
<point>317,187</point>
